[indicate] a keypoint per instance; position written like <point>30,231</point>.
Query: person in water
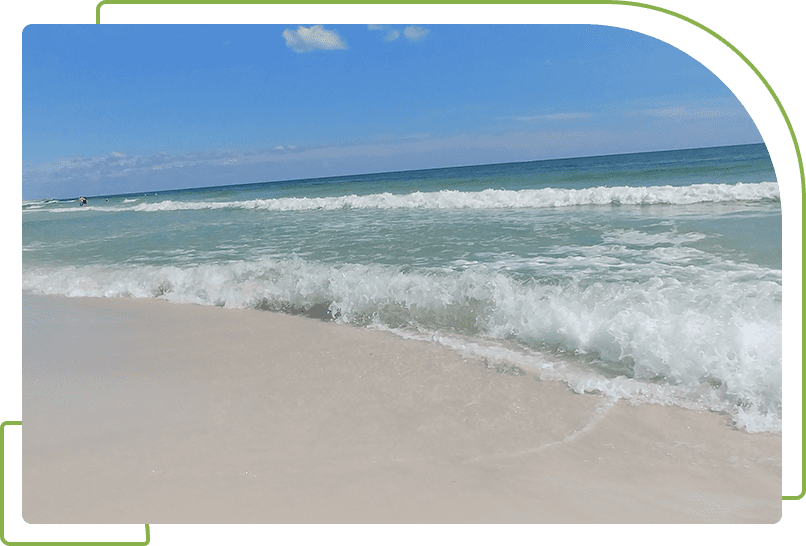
<point>82,201</point>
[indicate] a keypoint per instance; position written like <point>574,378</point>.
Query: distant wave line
<point>485,199</point>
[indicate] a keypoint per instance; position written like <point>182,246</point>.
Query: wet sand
<point>145,411</point>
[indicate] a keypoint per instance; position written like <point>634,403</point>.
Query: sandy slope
<point>144,411</point>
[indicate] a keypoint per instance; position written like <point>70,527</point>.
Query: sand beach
<point>141,410</point>
<point>375,306</point>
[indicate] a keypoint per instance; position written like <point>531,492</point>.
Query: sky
<point>113,109</point>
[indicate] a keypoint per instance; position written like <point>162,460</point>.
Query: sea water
<point>651,277</point>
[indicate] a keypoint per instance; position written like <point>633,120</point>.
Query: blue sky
<point>115,109</point>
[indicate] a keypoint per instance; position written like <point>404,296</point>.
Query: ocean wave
<point>751,418</point>
<point>485,199</point>
<point>713,335</point>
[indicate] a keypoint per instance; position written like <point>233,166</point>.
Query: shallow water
<point>652,277</point>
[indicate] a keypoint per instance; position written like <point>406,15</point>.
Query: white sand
<point>142,411</point>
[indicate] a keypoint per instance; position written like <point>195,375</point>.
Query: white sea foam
<point>486,199</point>
<point>635,391</point>
<point>641,238</point>
<point>695,335</point>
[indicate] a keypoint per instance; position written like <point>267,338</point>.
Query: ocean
<point>650,277</point>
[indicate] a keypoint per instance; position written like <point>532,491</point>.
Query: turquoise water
<point>653,276</point>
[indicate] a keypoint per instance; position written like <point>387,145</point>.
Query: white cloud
<point>391,33</point>
<point>312,39</point>
<point>415,33</point>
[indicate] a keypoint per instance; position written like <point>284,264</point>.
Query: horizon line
<point>422,169</point>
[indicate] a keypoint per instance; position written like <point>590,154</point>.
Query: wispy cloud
<point>314,38</point>
<point>562,116</point>
<point>415,33</point>
<point>117,164</point>
<point>390,35</point>
<point>682,108</point>
<point>98,175</point>
<point>686,111</point>
<point>559,116</point>
<point>279,149</point>
<point>121,173</point>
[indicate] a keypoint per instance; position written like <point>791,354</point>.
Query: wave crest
<point>715,336</point>
<point>485,199</point>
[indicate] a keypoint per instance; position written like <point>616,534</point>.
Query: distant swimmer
<point>82,201</point>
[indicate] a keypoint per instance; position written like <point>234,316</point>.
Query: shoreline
<point>144,410</point>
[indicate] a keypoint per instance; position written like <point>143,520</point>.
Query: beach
<point>138,410</point>
<point>451,300</point>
